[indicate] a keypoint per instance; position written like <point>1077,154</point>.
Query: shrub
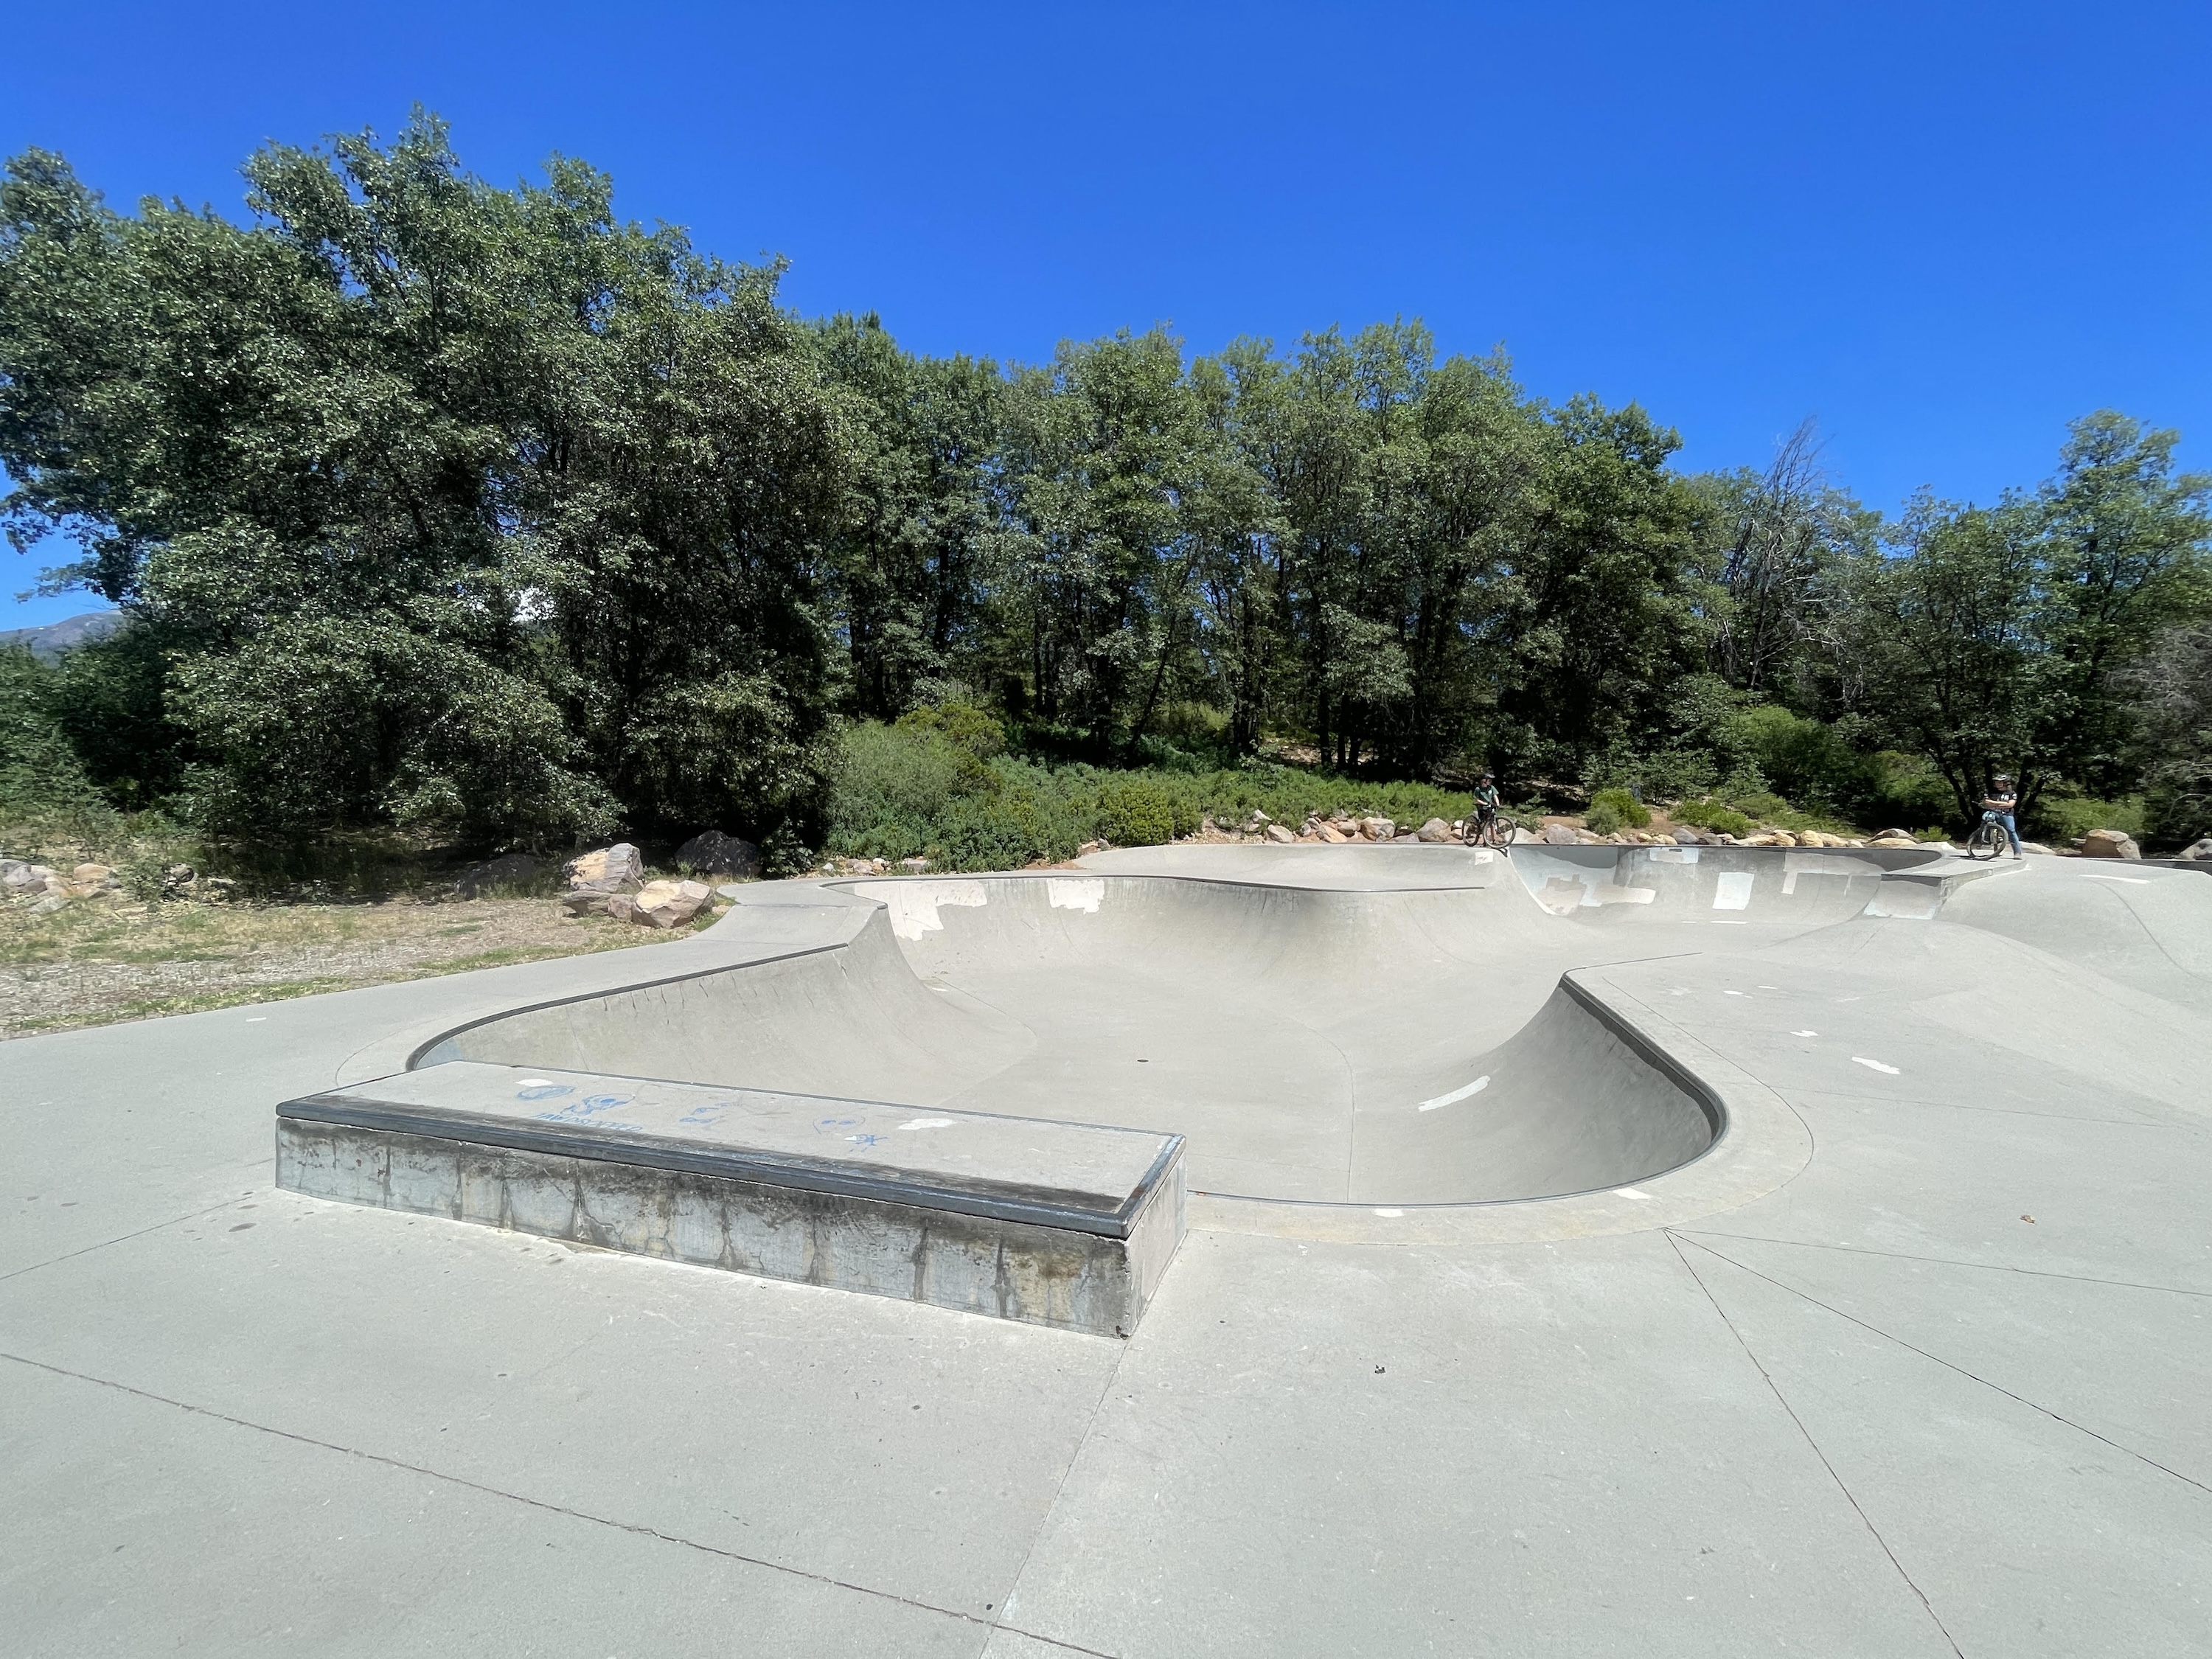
<point>1623,806</point>
<point>1711,815</point>
<point>39,768</point>
<point>1137,811</point>
<point>1603,818</point>
<point>978,731</point>
<point>2067,819</point>
<point>1800,758</point>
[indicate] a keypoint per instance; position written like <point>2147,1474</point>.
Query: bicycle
<point>1989,838</point>
<point>1490,830</point>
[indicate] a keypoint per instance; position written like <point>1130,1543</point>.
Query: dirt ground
<point>97,962</point>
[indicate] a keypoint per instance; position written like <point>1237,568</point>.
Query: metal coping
<point>1040,1206</point>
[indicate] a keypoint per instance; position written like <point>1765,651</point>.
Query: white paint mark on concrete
<point>1066,895</point>
<point>534,1082</point>
<point>1392,1214</point>
<point>914,904</point>
<point>1473,1088</point>
<point>1631,1191</point>
<point>2132,881</point>
<point>931,1123</point>
<point>256,1019</point>
<point>1873,1065</point>
<point>1731,994</point>
<point>1732,890</point>
<point>1804,1034</point>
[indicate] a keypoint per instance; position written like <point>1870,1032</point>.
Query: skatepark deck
<point>1821,1268</point>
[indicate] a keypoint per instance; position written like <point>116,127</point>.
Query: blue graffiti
<point>865,1140</point>
<point>543,1092</point>
<point>709,1115</point>
<point>825,1125</point>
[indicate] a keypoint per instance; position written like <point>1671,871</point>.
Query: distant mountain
<point>50,642</point>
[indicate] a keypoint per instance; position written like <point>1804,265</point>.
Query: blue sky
<point>1944,230</point>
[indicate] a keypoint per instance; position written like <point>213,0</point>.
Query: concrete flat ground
<point>1913,1362</point>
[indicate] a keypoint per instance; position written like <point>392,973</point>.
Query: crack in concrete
<point>636,1528</point>
<point>123,1238</point>
<point>1998,1387</point>
<point>1782,1400</point>
<point>1696,1233</point>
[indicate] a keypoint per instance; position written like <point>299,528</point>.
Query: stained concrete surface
<point>1935,1387</point>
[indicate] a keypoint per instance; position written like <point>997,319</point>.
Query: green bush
<point>39,768</point>
<point>1800,758</point>
<point>1624,807</point>
<point>1603,818</point>
<point>2067,819</point>
<point>1141,810</point>
<point>978,731</point>
<point>1711,815</point>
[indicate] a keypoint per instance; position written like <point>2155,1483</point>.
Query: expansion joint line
<point>1887,1336</point>
<point>1698,1235</point>
<point>1782,1400</point>
<point>1090,1425</point>
<point>123,1238</point>
<point>637,1529</point>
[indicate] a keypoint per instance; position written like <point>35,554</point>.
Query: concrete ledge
<point>1065,1224</point>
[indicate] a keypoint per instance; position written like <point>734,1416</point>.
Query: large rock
<point>2200,850</point>
<point>596,877</point>
<point>1561,835</point>
<point>1277,834</point>
<point>1329,832</point>
<point>1435,830</point>
<point>2110,844</point>
<point>611,866</point>
<point>1378,829</point>
<point>669,903</point>
<point>17,877</point>
<point>713,853</point>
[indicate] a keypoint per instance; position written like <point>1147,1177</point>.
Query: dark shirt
<point>1485,797</point>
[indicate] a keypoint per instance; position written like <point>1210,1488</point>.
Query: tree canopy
<point>484,511</point>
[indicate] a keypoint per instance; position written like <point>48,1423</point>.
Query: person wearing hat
<point>2004,800</point>
<point>1486,803</point>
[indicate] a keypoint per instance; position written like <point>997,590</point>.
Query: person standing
<point>2001,802</point>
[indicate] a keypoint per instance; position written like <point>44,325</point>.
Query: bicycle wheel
<point>1987,839</point>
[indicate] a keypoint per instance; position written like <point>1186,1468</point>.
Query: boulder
<point>2198,850</point>
<point>620,907</point>
<point>18,878</point>
<point>586,902</point>
<point>1379,828</point>
<point>1435,830</point>
<point>94,876</point>
<point>1330,833</point>
<point>1895,835</point>
<point>2110,844</point>
<point>1277,834</point>
<point>669,903</point>
<point>511,870</point>
<point>915,867</point>
<point>611,870</point>
<point>1561,835</point>
<point>1887,839</point>
<point>1686,836</point>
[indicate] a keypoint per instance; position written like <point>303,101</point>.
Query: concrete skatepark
<point>1590,1250</point>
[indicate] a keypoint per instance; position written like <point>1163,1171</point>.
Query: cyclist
<point>1486,805</point>
<point>2001,802</point>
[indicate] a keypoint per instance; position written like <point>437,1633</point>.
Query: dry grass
<point>97,962</point>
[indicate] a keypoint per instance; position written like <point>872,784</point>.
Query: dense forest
<point>481,514</point>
